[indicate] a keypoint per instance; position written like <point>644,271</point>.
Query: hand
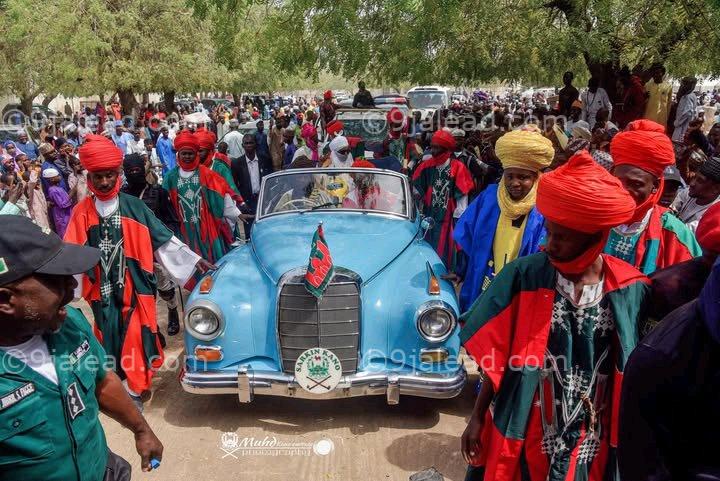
<point>470,441</point>
<point>148,447</point>
<point>204,266</point>
<point>452,277</point>
<point>16,191</point>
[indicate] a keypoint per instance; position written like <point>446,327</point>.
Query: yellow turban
<point>525,149</point>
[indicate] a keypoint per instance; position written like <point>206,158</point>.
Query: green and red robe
<point>441,187</point>
<point>199,202</point>
<point>121,288</point>
<point>221,165</point>
<point>665,241</point>
<point>511,333</point>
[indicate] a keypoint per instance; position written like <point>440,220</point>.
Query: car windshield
<point>354,189</point>
<point>370,126</point>
<point>426,100</point>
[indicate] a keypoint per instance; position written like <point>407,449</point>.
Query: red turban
<point>328,95</point>
<point>100,153</point>
<point>583,196</point>
<point>334,126</point>
<point>186,140</point>
<point>205,140</point>
<point>643,144</point>
<point>363,164</point>
<point>708,230</point>
<point>395,116</point>
<point>444,139</point>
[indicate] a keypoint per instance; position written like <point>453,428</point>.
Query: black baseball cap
<point>26,248</point>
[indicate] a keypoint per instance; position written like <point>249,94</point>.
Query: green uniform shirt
<point>49,432</point>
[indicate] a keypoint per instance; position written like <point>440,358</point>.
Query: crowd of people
<point>572,232</point>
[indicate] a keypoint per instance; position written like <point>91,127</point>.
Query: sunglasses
<point>344,151</point>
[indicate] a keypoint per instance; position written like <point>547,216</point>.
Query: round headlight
<point>435,323</point>
<point>203,321</point>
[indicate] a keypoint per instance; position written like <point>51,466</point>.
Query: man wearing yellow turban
<point>502,224</point>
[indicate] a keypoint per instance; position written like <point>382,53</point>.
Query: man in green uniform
<point>53,378</point>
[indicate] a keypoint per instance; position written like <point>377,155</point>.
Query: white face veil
<point>340,160</point>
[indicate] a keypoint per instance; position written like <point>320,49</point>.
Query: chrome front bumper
<point>247,383</point>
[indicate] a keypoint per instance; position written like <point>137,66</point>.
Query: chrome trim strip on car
<point>435,304</point>
<point>215,309</point>
<point>403,179</point>
<point>247,383</point>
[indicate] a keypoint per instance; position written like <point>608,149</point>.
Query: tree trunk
<point>607,73</point>
<point>26,105</point>
<point>169,101</point>
<point>146,99</point>
<point>127,101</point>
<point>237,98</point>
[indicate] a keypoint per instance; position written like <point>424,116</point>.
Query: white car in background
<point>428,99</point>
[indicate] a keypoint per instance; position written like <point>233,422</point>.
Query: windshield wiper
<point>326,204</point>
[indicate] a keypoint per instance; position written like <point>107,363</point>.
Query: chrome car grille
<point>332,322</point>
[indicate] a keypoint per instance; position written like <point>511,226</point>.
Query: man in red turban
<point>121,289</point>
<point>551,335</point>
<point>653,238</point>
<point>203,201</point>
<point>206,142</point>
<point>327,110</point>
<point>443,184</point>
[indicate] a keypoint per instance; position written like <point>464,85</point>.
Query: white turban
<point>50,173</point>
<point>339,143</point>
<point>339,160</point>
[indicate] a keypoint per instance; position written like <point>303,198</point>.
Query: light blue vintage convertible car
<point>385,325</point>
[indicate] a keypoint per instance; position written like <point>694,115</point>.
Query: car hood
<point>363,243</point>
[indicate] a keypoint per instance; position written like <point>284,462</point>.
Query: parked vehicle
<point>13,115</point>
<point>428,99</point>
<point>365,128</point>
<point>386,323</point>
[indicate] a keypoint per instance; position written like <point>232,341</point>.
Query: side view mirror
<point>427,224</point>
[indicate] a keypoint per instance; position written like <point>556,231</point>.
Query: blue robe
<point>475,233</point>
<point>166,152</point>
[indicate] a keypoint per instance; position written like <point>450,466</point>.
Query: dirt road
<point>358,439</point>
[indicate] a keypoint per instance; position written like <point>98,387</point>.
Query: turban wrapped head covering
<point>583,196</point>
<point>334,127</point>
<point>708,230</point>
<point>524,149</point>
<point>444,139</point>
<point>133,161</point>
<point>206,141</point>
<point>98,154</point>
<point>362,163</point>
<point>328,95</point>
<point>339,143</point>
<point>186,140</point>
<point>643,144</point>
